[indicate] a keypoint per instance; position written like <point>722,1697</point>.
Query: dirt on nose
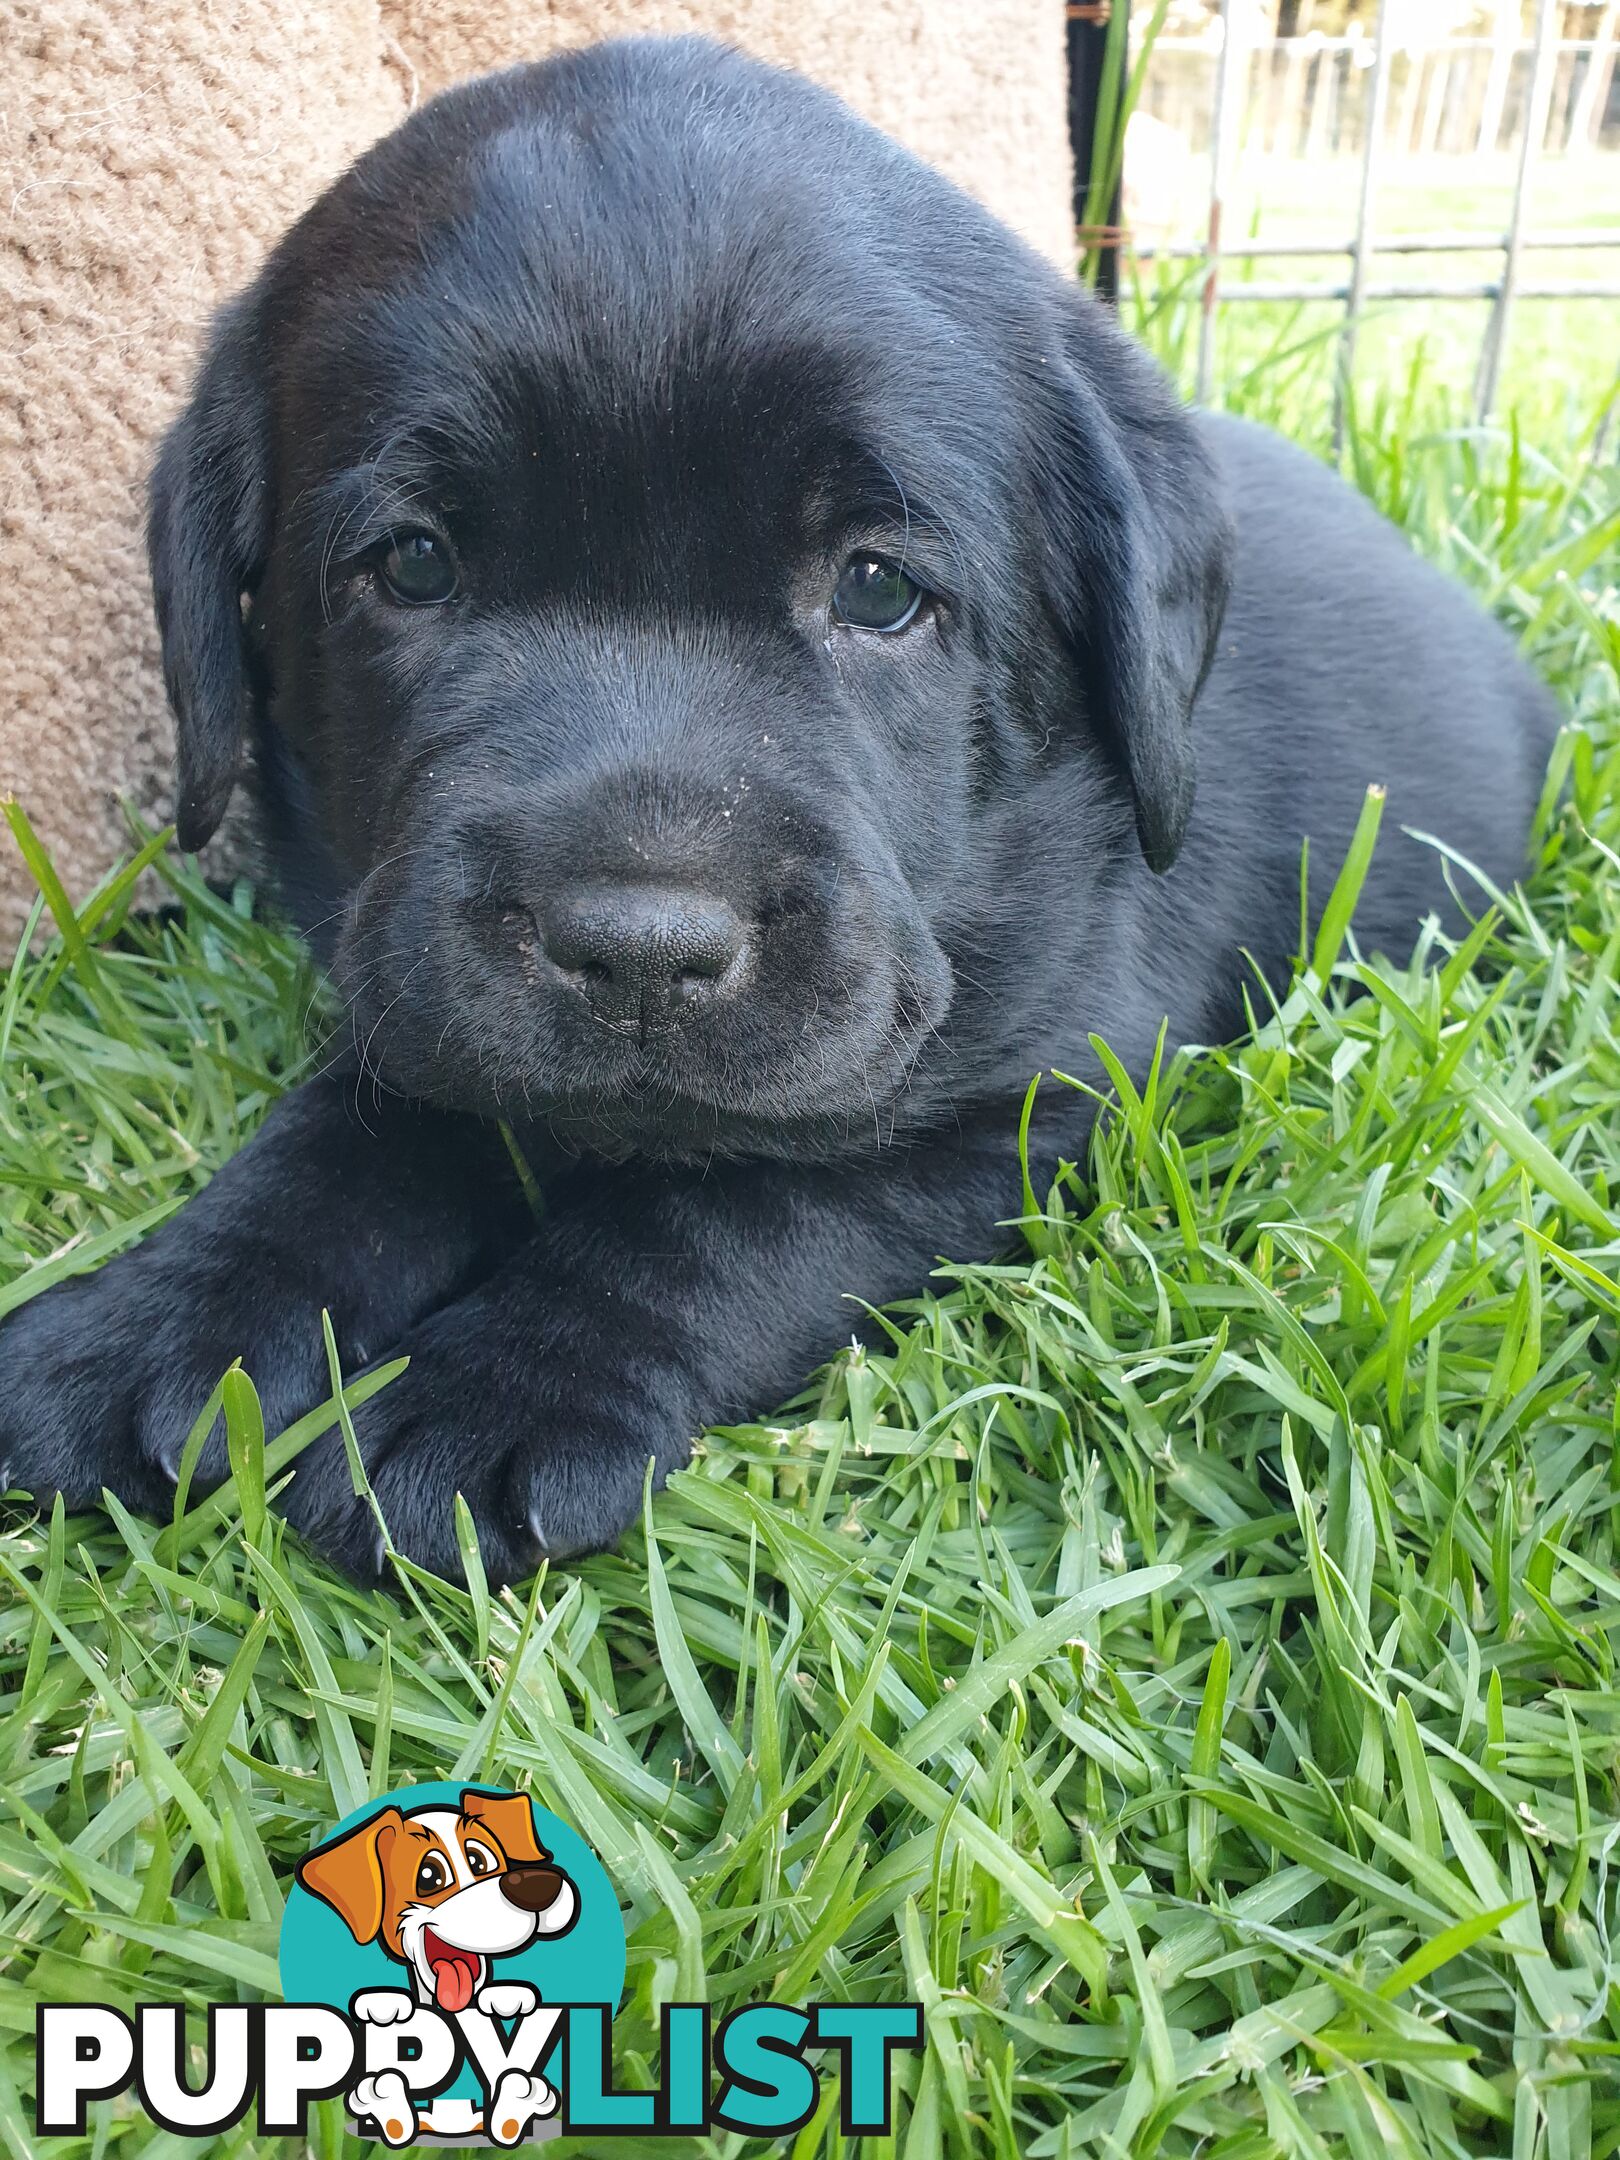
<point>532,1888</point>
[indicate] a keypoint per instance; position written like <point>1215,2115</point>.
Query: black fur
<point>655,337</point>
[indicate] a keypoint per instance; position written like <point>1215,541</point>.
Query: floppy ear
<point>348,1875</point>
<point>208,530</point>
<point>1139,548</point>
<point>511,1818</point>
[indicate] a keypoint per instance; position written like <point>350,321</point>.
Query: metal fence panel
<point>1530,105</point>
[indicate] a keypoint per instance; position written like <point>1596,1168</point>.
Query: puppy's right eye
<point>418,569</point>
<point>875,594</point>
<point>432,1876</point>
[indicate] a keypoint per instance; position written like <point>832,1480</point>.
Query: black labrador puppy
<point>740,664</point>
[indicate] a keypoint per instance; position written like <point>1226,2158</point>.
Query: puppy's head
<point>690,581</point>
<point>445,1891</point>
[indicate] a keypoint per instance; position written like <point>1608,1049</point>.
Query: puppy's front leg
<point>375,1209</point>
<point>648,1304</point>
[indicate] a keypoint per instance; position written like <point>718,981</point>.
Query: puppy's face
<point>638,721</point>
<point>444,1890</point>
<point>653,637</point>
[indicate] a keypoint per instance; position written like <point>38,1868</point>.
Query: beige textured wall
<point>150,150</point>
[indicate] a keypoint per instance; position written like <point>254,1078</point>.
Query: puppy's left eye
<point>873,593</point>
<point>433,1875</point>
<point>418,569</point>
<point>481,1860</point>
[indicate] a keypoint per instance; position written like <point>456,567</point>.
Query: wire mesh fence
<point>1548,96</point>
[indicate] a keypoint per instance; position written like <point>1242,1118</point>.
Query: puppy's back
<point>1345,660</point>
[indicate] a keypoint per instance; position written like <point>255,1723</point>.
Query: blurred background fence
<point>1343,170</point>
<point>1310,95</point>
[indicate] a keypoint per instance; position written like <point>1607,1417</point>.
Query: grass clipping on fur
<point>1183,1659</point>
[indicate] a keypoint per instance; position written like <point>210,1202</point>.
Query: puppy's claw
<point>507,1999</point>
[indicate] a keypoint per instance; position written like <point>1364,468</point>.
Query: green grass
<point>1184,1659</point>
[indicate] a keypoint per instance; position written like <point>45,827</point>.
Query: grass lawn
<point>1184,1660</point>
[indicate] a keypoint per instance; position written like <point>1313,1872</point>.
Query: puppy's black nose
<point>646,953</point>
<point>531,1887</point>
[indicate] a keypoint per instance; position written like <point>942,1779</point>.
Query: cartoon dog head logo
<point>445,1890</point>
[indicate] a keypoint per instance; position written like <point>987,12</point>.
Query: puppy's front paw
<point>549,1456</point>
<point>383,2006</point>
<point>507,1999</point>
<point>517,2101</point>
<point>102,1378</point>
<point>386,2101</point>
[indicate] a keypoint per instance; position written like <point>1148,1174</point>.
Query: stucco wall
<point>152,150</point>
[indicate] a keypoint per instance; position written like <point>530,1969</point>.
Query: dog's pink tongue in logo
<point>454,1972</point>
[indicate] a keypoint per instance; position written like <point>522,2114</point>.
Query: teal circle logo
<point>472,1903</point>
